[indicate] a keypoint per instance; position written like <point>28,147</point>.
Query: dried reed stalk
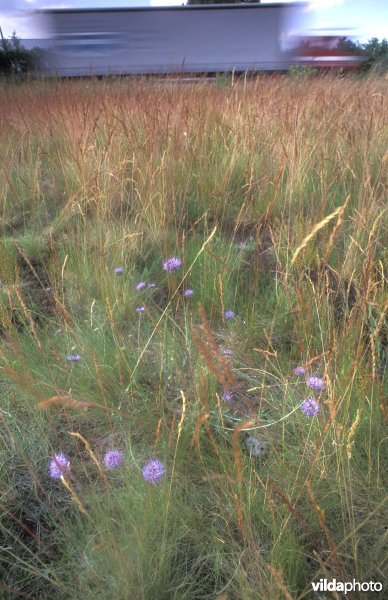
<point>64,401</point>
<point>322,521</point>
<point>27,260</point>
<point>336,227</point>
<point>351,434</point>
<point>212,355</point>
<point>71,403</point>
<point>277,574</point>
<point>288,505</point>
<point>91,454</point>
<point>28,317</point>
<point>240,520</point>
<point>75,498</point>
<point>236,448</point>
<point>157,436</point>
<point>315,230</point>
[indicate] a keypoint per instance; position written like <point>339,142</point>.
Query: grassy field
<point>272,195</point>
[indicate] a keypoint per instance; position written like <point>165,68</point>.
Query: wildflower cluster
<point>172,264</point>
<point>310,407</point>
<point>153,471</point>
<point>142,285</point>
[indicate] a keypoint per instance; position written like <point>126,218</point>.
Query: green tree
<point>14,58</point>
<point>374,51</point>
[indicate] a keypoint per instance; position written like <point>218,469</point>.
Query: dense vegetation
<point>16,60</point>
<point>272,196</point>
<point>374,51</point>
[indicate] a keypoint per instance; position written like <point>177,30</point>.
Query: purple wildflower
<point>59,466</point>
<point>316,383</point>
<point>228,396</point>
<point>113,459</point>
<point>151,285</point>
<point>172,264</point>
<point>140,309</point>
<point>119,270</point>
<point>153,471</point>
<point>141,285</point>
<point>310,407</point>
<point>188,293</point>
<point>73,357</point>
<point>227,352</point>
<point>229,314</point>
<point>299,371</point>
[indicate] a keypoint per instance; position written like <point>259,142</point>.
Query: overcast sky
<point>362,19</point>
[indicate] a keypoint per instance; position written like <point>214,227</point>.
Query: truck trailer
<point>181,39</point>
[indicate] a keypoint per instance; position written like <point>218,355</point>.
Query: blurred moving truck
<point>184,39</point>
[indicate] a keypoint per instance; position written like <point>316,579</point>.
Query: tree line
<point>374,51</point>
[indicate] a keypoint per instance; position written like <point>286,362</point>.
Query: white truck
<point>181,39</point>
